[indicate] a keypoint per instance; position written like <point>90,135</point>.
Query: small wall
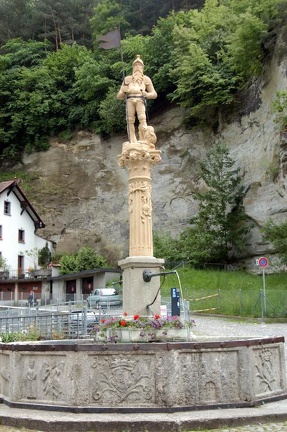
<point>145,377</point>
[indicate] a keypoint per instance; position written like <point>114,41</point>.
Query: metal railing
<point>36,324</point>
<point>24,274</point>
<point>69,320</point>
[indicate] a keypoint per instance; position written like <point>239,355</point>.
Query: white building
<point>19,223</point>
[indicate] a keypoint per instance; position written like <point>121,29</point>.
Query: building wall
<point>10,247</point>
<point>61,285</point>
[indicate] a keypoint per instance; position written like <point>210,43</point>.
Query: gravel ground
<point>213,327</point>
<point>210,326</point>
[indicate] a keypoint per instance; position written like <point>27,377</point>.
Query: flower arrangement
<point>149,328</point>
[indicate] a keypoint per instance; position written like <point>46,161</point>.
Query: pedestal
<point>137,294</point>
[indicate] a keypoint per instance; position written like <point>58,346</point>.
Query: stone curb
<point>49,421</point>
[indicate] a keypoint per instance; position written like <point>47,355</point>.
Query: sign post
<point>263,263</point>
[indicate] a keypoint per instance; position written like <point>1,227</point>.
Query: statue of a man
<point>136,88</point>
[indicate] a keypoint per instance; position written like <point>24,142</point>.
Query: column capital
<point>139,151</point>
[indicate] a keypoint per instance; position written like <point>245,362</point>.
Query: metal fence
<point>70,320</point>
<point>74,320</point>
<point>245,303</point>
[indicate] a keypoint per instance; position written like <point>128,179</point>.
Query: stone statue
<point>136,88</point>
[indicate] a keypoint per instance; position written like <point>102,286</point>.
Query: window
<point>20,266</point>
<point>21,236</point>
<point>7,208</point>
<point>0,232</point>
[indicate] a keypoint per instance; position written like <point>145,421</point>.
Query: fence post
<point>219,300</point>
<point>262,304</point>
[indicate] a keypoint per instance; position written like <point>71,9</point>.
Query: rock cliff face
<point>81,192</point>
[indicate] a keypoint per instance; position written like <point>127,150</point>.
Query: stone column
<point>138,158</point>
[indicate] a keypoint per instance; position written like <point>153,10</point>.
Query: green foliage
<point>233,293</point>
<point>68,264</point>
<point>43,20</point>
<point>44,256</point>
<point>25,178</point>
<point>166,247</point>
<point>108,15</point>
<point>217,231</point>
<point>17,53</point>
<point>88,259</point>
<point>280,108</point>
<point>112,115</point>
<point>219,51</point>
<point>85,259</point>
<point>37,102</point>
<point>159,53</point>
<point>3,263</point>
<point>31,335</point>
<point>199,59</point>
<point>277,234</point>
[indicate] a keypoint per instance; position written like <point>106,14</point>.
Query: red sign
<point>263,262</point>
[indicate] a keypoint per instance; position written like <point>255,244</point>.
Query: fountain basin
<point>84,376</point>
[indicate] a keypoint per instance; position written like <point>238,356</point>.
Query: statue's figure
<point>136,88</point>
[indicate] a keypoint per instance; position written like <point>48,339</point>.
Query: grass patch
<point>235,293</point>
<point>26,178</point>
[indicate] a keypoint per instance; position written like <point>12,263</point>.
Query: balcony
<point>24,274</point>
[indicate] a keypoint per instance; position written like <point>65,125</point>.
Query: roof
<point>84,273</point>
<point>12,186</point>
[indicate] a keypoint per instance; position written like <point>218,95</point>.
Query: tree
<point>166,247</point>
<point>217,231</point>
<point>280,109</point>
<point>44,256</point>
<point>220,50</point>
<point>56,21</point>
<point>277,234</point>
<point>85,259</point>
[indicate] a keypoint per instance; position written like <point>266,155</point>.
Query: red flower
<point>123,323</point>
<point>125,314</point>
<point>157,316</point>
<point>136,317</point>
<point>103,320</point>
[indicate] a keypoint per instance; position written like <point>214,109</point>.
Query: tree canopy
<point>85,259</point>
<point>276,233</point>
<point>217,232</point>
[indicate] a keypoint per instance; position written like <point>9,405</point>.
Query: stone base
<point>131,335</point>
<point>137,294</point>
<point>142,377</point>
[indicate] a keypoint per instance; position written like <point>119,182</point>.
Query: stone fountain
<point>84,376</point>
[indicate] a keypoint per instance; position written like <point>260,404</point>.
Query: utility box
<point>175,302</point>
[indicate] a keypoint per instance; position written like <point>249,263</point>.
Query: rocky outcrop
<point>81,193</point>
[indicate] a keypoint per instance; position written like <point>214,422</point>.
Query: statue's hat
<point>138,60</point>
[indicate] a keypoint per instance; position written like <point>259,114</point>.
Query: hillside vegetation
<point>56,82</point>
